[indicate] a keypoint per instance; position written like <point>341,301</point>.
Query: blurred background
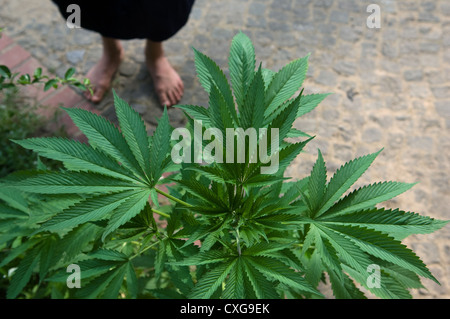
<point>391,84</point>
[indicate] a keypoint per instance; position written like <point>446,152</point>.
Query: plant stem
<point>146,248</point>
<point>172,198</point>
<point>160,213</point>
<point>301,245</point>
<point>238,242</point>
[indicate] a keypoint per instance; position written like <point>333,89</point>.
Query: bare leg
<point>168,84</point>
<point>101,74</point>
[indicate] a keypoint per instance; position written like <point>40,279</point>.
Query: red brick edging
<point>19,60</point>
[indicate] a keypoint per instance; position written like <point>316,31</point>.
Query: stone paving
<point>391,85</point>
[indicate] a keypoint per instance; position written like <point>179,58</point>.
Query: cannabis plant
<point>194,212</point>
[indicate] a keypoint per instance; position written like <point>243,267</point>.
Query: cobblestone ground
<point>391,85</point>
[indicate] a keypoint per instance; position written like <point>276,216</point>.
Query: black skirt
<point>156,20</point>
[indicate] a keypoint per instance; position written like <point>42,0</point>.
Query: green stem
<point>173,198</point>
<point>146,248</point>
<point>301,245</point>
<point>238,242</point>
<point>160,213</point>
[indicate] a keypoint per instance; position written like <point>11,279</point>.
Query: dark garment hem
<point>131,19</point>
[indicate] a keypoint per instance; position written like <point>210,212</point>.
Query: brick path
<point>391,85</point>
<point>21,61</point>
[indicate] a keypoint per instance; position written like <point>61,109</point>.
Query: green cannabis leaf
<point>141,225</point>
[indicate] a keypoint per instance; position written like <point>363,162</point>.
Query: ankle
<point>115,56</point>
<point>154,52</point>
<point>112,50</point>
<point>155,62</point>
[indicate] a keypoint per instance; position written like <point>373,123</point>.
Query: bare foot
<point>168,84</point>
<point>102,74</point>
